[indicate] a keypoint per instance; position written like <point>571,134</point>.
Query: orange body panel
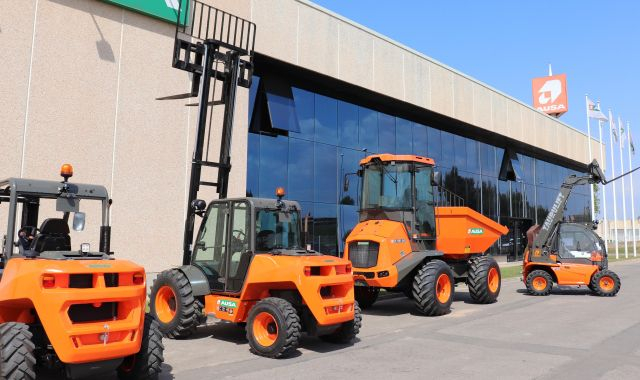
<point>462,231</point>
<point>397,157</point>
<point>21,291</point>
<point>330,274</point>
<point>394,246</point>
<point>564,273</point>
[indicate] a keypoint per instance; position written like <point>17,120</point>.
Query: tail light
<point>347,268</point>
<point>138,278</point>
<point>48,281</point>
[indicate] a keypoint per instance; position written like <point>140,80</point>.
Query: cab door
<point>210,254</point>
<point>240,254</point>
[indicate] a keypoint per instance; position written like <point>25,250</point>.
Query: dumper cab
<point>82,310</point>
<point>417,238</point>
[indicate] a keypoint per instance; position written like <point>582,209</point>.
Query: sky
<point>506,43</point>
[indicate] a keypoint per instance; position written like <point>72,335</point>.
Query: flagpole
<point>624,205</point>
<point>613,175</point>
<point>604,191</point>
<point>586,103</point>
<point>633,211</point>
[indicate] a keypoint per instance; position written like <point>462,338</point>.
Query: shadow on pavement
<point>563,290</point>
<point>45,374</point>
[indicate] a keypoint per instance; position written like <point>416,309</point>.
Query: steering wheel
<point>239,234</point>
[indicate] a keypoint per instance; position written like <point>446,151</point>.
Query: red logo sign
<point>550,94</point>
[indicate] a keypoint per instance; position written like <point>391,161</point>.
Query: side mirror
<point>78,221</point>
<point>436,179</point>
<point>198,206</point>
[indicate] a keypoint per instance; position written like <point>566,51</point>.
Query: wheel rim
<point>443,288</point>
<point>539,283</point>
<point>166,304</point>
<point>265,329</point>
<point>606,283</point>
<point>493,280</point>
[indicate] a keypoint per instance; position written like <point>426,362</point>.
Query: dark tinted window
<point>448,150</point>
<point>253,164</point>
<point>300,168</point>
<point>348,125</point>
<point>386,133</point>
<point>404,139</point>
<point>273,160</point>
<point>305,109</point>
<point>326,120</point>
<point>325,173</point>
<point>434,149</point>
<point>368,131</point>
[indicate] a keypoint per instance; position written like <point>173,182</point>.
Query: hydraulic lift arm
<point>543,238</point>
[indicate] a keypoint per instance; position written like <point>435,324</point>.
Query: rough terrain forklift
<point>249,264</point>
<point>67,308</point>
<point>404,243</point>
<point>568,253</point>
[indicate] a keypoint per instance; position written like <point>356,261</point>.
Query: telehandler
<point>249,264</point>
<point>67,308</point>
<point>405,243</point>
<point>569,253</point>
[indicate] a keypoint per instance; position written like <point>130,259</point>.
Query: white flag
<point>594,111</point>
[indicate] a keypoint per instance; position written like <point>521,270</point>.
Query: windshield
<point>387,186</point>
<point>277,229</point>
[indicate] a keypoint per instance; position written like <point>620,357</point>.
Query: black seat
<point>53,236</point>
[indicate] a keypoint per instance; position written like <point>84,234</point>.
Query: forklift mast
<point>542,240</point>
<point>212,45</point>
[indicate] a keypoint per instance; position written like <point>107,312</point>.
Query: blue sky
<point>507,43</point>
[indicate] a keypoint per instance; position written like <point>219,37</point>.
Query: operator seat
<point>53,236</point>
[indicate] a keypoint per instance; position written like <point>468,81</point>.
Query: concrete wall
<point>80,78</point>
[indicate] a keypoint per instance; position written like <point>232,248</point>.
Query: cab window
<point>576,243</point>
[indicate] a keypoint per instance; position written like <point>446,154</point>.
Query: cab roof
<point>51,189</point>
<point>386,157</point>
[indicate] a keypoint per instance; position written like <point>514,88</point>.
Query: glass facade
<point>334,135</point>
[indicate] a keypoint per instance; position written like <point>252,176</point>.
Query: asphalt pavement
<point>570,334</point>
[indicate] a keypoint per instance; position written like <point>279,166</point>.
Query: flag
<point>633,147</point>
<point>622,136</point>
<point>614,129</point>
<point>593,111</point>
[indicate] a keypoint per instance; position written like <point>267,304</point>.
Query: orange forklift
<point>569,253</point>
<point>414,240</point>
<point>249,264</point>
<point>69,309</point>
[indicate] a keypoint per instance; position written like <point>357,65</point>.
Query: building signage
<point>163,9</point>
<point>550,94</point>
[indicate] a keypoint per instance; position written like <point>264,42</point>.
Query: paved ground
<point>569,335</point>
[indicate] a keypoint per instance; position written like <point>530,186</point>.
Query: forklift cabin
<point>51,240</point>
<point>233,230</point>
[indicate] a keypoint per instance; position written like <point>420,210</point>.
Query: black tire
<point>285,326</point>
<point>408,292</point>
<point>425,288</point>
<point>17,361</point>
<point>366,296</point>
<point>188,310</point>
<point>481,281</point>
<point>605,283</point>
<point>146,364</point>
<point>539,283</point>
<point>347,331</point>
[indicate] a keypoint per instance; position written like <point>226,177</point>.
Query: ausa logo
<point>475,231</point>
<point>227,304</point>
<point>550,94</point>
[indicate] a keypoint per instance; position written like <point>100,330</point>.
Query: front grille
<point>86,312</point>
<point>363,254</point>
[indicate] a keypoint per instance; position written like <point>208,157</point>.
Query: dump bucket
<point>462,231</point>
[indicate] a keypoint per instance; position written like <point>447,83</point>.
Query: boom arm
<point>553,219</point>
